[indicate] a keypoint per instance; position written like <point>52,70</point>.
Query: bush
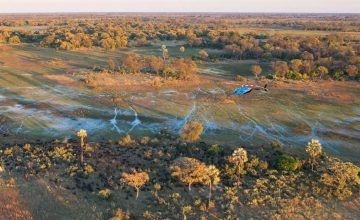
<point>338,74</point>
<point>240,78</point>
<point>255,165</point>
<point>192,131</point>
<point>293,75</point>
<point>215,150</point>
<point>8,151</point>
<point>168,72</point>
<point>14,40</point>
<point>105,193</point>
<point>88,169</point>
<point>286,163</point>
<point>126,141</point>
<point>145,140</point>
<point>276,144</point>
<point>272,76</point>
<point>120,215</point>
<point>339,178</point>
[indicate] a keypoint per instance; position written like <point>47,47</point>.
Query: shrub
<point>14,40</point>
<point>186,210</point>
<point>215,150</point>
<point>185,68</point>
<point>239,158</point>
<point>338,74</point>
<point>240,78</point>
<point>145,140</point>
<point>11,182</point>
<point>157,186</point>
<point>72,170</point>
<point>286,163</point>
<point>314,149</point>
<point>293,75</point>
<point>255,165</point>
<point>339,177</point>
<point>203,54</point>
<point>126,141</point>
<point>276,144</point>
<point>120,215</point>
<point>61,152</point>
<point>8,151</point>
<point>105,193</point>
<point>27,147</point>
<point>88,169</point>
<point>168,72</point>
<point>192,131</point>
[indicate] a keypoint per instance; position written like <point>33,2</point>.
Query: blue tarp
<point>242,90</point>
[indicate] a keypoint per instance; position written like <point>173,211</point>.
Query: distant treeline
<point>334,54</point>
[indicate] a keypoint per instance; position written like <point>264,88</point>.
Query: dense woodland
<point>335,53</point>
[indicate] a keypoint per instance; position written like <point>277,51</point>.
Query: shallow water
<point>292,119</point>
<point>31,107</point>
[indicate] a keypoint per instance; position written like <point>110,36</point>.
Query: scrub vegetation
<point>133,116</point>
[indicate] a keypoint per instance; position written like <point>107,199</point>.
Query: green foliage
<point>215,150</point>
<point>338,74</point>
<point>293,75</point>
<point>168,72</point>
<point>286,163</point>
<point>63,153</point>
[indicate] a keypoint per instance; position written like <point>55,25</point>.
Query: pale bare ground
<point>11,207</point>
<point>36,198</point>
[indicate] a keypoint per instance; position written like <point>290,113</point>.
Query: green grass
<point>229,69</point>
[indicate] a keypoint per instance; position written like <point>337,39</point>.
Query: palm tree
<point>82,134</point>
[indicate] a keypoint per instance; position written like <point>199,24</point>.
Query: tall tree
<point>135,180</point>
<point>280,68</point>
<point>256,71</point>
<point>188,170</point>
<point>82,134</point>
<point>323,71</point>
<point>211,178</point>
<point>295,65</point>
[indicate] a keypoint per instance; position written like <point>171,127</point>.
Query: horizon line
<point>174,12</point>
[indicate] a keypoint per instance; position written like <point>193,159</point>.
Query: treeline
<point>321,22</point>
<point>333,55</point>
<point>70,38</point>
<point>338,53</point>
<point>175,68</point>
<point>10,37</point>
<point>309,69</point>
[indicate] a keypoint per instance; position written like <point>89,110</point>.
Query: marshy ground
<point>43,97</point>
